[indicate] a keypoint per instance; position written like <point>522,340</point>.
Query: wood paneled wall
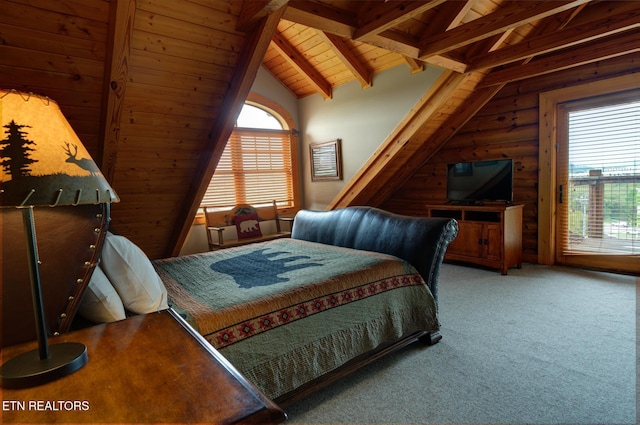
<point>57,49</point>
<point>506,127</point>
<point>144,84</point>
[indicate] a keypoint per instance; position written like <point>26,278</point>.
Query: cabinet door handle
<point>486,241</point>
<point>480,241</point>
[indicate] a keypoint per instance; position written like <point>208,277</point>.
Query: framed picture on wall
<point>326,161</point>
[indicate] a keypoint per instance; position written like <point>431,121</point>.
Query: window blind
<point>603,185</point>
<point>255,168</point>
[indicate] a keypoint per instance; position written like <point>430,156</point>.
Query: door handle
<point>560,194</point>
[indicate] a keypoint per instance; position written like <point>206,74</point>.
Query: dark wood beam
<point>433,144</point>
<point>340,23</point>
<point>449,16</point>
<point>613,46</point>
<point>518,14</point>
<point>557,40</point>
<point>249,61</point>
<point>121,19</point>
<point>371,177</point>
<point>389,14</point>
<point>321,17</point>
<point>254,10</point>
<point>397,42</point>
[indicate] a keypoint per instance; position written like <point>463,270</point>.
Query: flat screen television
<point>480,181</point>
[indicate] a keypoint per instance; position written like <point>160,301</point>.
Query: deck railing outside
<point>604,210</point>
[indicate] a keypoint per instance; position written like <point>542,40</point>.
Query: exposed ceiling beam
<point>415,65</point>
<point>347,57</point>
<point>397,42</point>
<point>122,14</point>
<point>249,61</point>
<point>396,143</point>
<point>613,46</point>
<point>450,16</point>
<point>254,10</point>
<point>332,21</point>
<point>433,144</point>
<point>567,37</point>
<point>296,60</point>
<point>495,23</point>
<point>394,41</point>
<point>321,17</point>
<point>389,14</point>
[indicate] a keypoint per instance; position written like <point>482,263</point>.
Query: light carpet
<point>542,345</point>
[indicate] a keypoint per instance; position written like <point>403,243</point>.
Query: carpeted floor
<point>542,345</point>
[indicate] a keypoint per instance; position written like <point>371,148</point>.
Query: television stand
<point>466,203</point>
<point>488,235</point>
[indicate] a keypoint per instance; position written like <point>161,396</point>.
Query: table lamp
<point>43,163</point>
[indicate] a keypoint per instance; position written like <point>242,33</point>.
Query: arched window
<point>259,162</point>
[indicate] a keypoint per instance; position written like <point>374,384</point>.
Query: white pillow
<point>132,275</point>
<point>100,302</point>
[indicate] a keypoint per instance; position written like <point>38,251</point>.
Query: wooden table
<point>151,368</point>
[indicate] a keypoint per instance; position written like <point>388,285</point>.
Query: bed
<point>292,315</point>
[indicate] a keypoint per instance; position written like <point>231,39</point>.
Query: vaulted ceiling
<point>153,87</point>
<point>319,45</point>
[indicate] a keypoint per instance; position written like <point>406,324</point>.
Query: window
<point>258,164</point>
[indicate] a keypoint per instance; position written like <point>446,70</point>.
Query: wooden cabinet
<point>489,235</point>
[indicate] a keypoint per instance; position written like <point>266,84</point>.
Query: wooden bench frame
<point>217,219</point>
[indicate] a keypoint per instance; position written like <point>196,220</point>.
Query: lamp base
<point>28,370</point>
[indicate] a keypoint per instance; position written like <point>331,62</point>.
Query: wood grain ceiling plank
<point>169,27</point>
<point>209,15</point>
<point>73,67</point>
<point>26,38</point>
<point>141,61</point>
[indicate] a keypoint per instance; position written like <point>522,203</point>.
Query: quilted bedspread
<point>286,311</point>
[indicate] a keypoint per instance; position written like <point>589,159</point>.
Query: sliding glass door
<point>598,177</point>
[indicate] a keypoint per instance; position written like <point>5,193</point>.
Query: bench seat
<point>221,223</point>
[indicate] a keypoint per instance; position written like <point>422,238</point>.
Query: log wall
<point>506,127</point>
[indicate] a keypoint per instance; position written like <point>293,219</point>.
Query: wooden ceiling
<point>319,45</point>
<point>153,87</point>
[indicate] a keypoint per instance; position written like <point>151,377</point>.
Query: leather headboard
<point>69,241</point>
<point>422,241</point>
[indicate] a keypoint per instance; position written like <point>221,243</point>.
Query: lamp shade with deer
<point>43,164</point>
<point>43,161</point>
